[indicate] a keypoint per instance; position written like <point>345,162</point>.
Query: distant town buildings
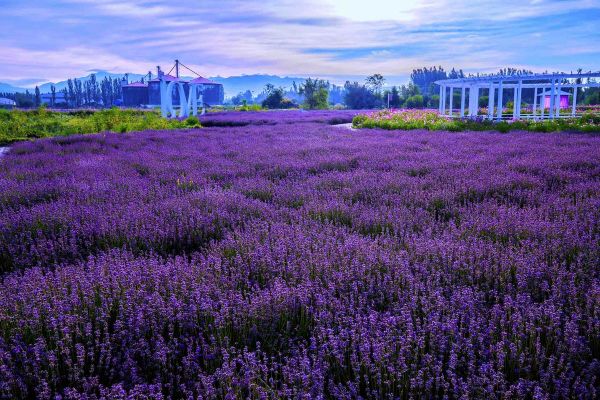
<point>7,103</point>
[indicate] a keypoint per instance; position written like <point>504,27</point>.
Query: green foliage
<point>250,107</point>
<point>359,96</point>
<point>434,101</point>
<point>375,82</point>
<point>275,98</point>
<point>316,94</point>
<point>395,98</point>
<point>430,120</point>
<point>16,125</point>
<point>242,98</point>
<point>503,126</point>
<point>38,98</point>
<point>415,101</point>
<point>192,122</point>
<point>424,78</point>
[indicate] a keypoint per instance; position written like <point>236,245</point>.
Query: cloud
<point>303,37</point>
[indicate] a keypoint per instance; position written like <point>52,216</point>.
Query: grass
<point>430,120</point>
<point>18,125</point>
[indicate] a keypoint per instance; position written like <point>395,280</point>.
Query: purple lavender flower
<point>291,259</point>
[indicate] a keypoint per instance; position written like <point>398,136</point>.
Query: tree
<point>241,97</point>
<point>375,82</point>
<point>94,91</point>
<point>424,78</point>
<point>78,93</point>
<point>336,94</point>
<point>483,101</point>
<point>315,93</point>
<point>433,101</point>
<point>65,93</point>
<point>274,98</point>
<point>53,95</point>
<point>38,97</point>
<point>71,100</point>
<point>415,101</point>
<point>106,92</point>
<point>116,92</point>
<point>395,98</point>
<point>24,99</point>
<point>359,96</point>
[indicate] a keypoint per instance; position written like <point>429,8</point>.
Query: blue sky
<point>50,40</point>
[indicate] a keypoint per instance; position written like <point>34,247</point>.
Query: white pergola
<point>556,84</point>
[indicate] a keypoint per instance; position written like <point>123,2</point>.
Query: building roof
<point>7,102</point>
<point>524,78</point>
<point>167,78</point>
<point>203,80</point>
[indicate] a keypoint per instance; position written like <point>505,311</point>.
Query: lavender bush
<point>300,261</point>
<point>239,118</point>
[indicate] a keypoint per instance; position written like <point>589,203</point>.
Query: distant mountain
<point>45,88</point>
<point>100,75</point>
<point>7,88</point>
<point>255,83</point>
<point>232,85</point>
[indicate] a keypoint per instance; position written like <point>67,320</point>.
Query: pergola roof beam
<point>529,77</point>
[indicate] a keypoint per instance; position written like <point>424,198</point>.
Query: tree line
<point>77,93</point>
<point>420,92</point>
<point>313,93</point>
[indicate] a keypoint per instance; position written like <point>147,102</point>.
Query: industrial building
<point>147,93</point>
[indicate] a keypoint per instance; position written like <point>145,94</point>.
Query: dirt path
<point>345,126</point>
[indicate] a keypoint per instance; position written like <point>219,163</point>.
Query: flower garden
<point>273,255</point>
<point>407,119</point>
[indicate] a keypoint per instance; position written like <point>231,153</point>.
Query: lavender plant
<point>300,261</point>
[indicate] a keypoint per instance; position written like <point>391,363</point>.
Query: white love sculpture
<point>186,103</point>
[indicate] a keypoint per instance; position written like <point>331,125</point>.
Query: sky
<point>51,40</point>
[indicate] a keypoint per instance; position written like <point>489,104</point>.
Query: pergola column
<point>462,102</point>
<point>473,100</point>
<point>552,99</point>
<point>451,96</point>
<point>491,101</point>
<point>519,94</point>
<point>500,90</point>
<point>557,104</point>
<point>443,100</point>
<point>535,96</point>
<point>440,101</point>
<point>515,99</point>
<point>574,106</point>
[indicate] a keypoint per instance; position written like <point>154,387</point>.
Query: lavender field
<point>295,259</point>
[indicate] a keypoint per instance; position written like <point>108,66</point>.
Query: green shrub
<point>503,126</point>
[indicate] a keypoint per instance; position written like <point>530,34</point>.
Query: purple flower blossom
<point>291,259</point>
